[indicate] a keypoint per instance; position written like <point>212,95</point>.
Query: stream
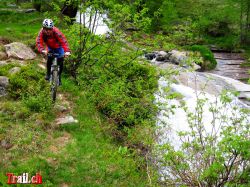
<point>94,21</point>
<point>180,115</point>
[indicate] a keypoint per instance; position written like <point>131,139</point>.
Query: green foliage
<point>208,57</point>
<point>19,26</point>
<point>4,70</point>
<point>30,86</point>
<point>121,88</point>
<point>210,153</point>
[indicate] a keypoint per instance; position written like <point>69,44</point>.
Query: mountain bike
<point>54,75</point>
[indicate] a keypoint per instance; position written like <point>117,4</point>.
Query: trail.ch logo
<point>24,179</point>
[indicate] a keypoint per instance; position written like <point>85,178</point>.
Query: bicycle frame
<point>54,75</point>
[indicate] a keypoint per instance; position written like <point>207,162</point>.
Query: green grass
<point>90,158</point>
<point>18,26</point>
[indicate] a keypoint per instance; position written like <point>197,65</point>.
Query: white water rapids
<point>94,21</point>
<point>172,117</point>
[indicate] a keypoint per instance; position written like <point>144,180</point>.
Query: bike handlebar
<point>51,54</point>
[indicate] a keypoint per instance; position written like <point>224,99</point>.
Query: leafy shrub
<point>4,70</point>
<point>207,152</point>
<point>30,86</point>
<point>121,88</point>
<point>209,60</point>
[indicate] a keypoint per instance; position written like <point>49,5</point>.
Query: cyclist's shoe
<point>47,77</point>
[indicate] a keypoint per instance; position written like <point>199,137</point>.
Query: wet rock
<point>157,55</point>
<point>160,58</point>
<point>65,120</point>
<point>244,95</point>
<point>14,70</point>
<point>162,53</point>
<point>178,57</point>
<point>150,56</point>
<point>19,51</point>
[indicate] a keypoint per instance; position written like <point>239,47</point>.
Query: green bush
<point>4,70</point>
<point>30,86</point>
<point>121,87</point>
<point>209,60</point>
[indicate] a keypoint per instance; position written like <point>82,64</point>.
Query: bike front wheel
<point>54,84</point>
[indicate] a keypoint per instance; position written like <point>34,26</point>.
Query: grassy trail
<point>81,154</point>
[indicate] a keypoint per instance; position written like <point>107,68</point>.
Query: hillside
<point>139,104</point>
<point>89,151</point>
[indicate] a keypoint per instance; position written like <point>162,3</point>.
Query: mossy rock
<point>209,61</point>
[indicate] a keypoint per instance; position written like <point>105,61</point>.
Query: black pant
<point>59,62</point>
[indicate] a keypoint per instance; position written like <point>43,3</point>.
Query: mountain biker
<point>56,42</point>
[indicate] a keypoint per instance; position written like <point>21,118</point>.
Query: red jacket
<point>53,41</point>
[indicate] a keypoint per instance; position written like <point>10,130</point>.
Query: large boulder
<point>157,55</point>
<point>19,51</point>
<point>178,57</point>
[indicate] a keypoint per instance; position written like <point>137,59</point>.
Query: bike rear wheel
<point>54,84</point>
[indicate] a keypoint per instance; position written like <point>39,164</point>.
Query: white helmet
<point>48,23</point>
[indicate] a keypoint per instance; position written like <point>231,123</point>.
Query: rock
<point>61,108</point>
<point>3,63</point>
<point>159,55</point>
<point>14,70</point>
<point>3,55</point>
<point>162,53</point>
<point>178,57</point>
<point>244,95</point>
<point>4,81</point>
<point>3,91</point>
<point>160,58</point>
<point>42,66</point>
<point>150,56</point>
<point>30,10</point>
<point>5,144</point>
<point>196,66</point>
<point>19,51</point>
<point>65,120</point>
